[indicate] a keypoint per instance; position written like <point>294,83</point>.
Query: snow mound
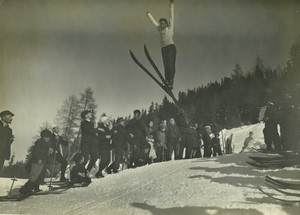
<point>222,185</point>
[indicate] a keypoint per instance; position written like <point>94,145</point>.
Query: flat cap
<point>6,112</point>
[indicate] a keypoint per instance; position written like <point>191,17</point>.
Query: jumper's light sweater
<point>166,34</point>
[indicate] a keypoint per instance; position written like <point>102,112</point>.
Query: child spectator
<point>79,172</point>
<point>40,154</point>
<point>160,144</point>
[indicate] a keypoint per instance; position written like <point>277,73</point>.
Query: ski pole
<point>13,179</point>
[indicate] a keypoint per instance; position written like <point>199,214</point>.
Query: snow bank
<point>222,185</point>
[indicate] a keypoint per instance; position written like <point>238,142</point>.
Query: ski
<point>146,70</point>
<point>282,191</point>
<point>265,151</point>
<point>270,166</point>
<point>58,183</point>
<point>154,66</point>
<point>262,159</point>
<point>287,161</point>
<point>47,192</point>
<point>283,184</point>
<point>16,197</point>
<point>283,199</point>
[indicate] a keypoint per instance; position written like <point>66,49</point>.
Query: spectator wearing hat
<point>104,144</point>
<point>160,144</point>
<point>40,154</point>
<point>79,173</point>
<point>120,137</point>
<point>270,131</point>
<point>6,136</point>
<point>216,144</point>
<point>58,141</point>
<point>137,132</point>
<point>207,142</point>
<point>89,143</point>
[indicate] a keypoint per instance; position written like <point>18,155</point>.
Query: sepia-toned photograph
<point>150,107</point>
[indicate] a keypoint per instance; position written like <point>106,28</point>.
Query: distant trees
<point>236,100</point>
<point>68,118</point>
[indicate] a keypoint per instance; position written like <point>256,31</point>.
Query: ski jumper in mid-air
<point>168,48</point>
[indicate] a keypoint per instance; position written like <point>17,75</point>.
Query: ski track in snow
<point>222,185</point>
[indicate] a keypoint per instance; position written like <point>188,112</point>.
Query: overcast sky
<point>50,50</point>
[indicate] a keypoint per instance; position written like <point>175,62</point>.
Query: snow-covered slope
<point>222,185</point>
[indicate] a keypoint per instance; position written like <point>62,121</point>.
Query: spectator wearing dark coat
<point>270,131</point>
<point>173,138</point>
<point>207,142</point>
<point>89,141</point>
<point>184,126</point>
<point>40,154</point>
<point>120,137</point>
<point>289,121</point>
<point>216,145</point>
<point>137,132</point>
<point>104,144</point>
<point>79,173</point>
<point>58,141</point>
<point>6,136</point>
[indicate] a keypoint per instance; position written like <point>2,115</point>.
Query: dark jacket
<point>56,142</point>
<point>120,137</point>
<point>89,133</point>
<point>40,151</point>
<point>78,168</point>
<point>104,143</point>
<point>137,128</point>
<point>271,120</point>
<point>6,139</point>
<point>173,132</point>
<point>207,142</point>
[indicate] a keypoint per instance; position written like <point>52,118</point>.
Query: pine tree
<point>68,119</point>
<point>88,102</point>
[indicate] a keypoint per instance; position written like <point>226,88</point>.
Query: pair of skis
<point>275,161</point>
<point>162,83</point>
<point>20,197</point>
<point>284,188</point>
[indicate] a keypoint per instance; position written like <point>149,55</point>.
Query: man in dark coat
<point>104,146</point>
<point>207,142</point>
<point>6,136</point>
<point>270,131</point>
<point>216,144</point>
<point>173,138</point>
<point>40,154</point>
<point>89,141</point>
<point>120,138</point>
<point>184,126</point>
<point>289,125</point>
<point>57,141</point>
<point>137,131</point>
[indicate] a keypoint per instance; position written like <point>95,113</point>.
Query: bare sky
<point>50,50</point>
